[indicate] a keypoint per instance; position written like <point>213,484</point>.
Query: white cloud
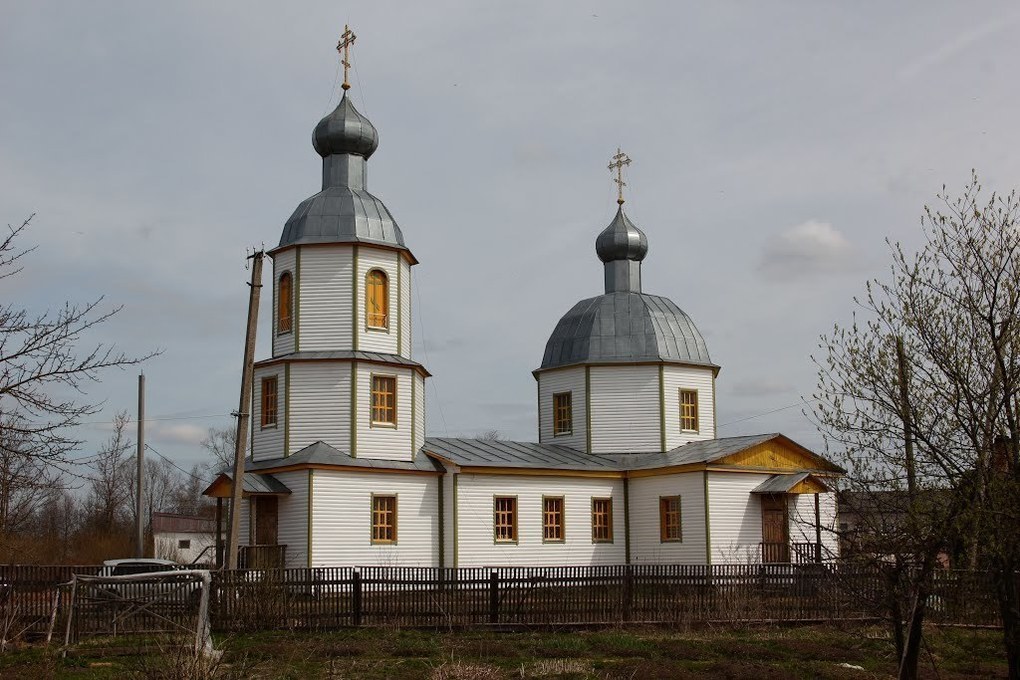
<point>176,433</point>
<point>807,249</point>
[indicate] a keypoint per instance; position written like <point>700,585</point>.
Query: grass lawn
<point>644,654</point>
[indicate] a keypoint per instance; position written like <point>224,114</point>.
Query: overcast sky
<point>775,147</point>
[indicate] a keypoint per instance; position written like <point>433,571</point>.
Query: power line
<point>159,418</point>
<point>174,464</point>
<point>759,415</point>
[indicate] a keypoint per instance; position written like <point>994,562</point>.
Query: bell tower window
<point>377,300</point>
<point>284,294</point>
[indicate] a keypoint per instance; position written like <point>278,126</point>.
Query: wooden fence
<point>340,597</point>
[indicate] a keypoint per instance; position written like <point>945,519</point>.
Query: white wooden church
<point>627,467</point>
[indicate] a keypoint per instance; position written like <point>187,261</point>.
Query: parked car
<point>130,589</point>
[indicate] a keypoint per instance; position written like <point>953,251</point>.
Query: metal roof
<point>321,453</point>
<point>345,355</point>
<point>344,211</point>
<point>621,240</point>
<point>182,524</point>
<point>625,327</point>
<point>529,455</point>
<point>500,453</point>
<point>780,483</point>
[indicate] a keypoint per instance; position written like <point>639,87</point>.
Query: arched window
<point>284,316</point>
<point>377,300</point>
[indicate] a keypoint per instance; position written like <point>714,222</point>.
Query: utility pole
<point>140,481</point>
<point>244,410</point>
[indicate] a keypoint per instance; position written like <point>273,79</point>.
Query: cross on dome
<point>618,162</point>
<point>347,39</point>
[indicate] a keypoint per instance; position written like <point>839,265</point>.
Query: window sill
<point>378,329</point>
<point>272,426</point>
<point>384,542</point>
<point>553,541</point>
<point>671,540</point>
<point>505,542</point>
<point>286,332</point>
<point>384,426</point>
<point>563,434</point>
<point>596,541</point>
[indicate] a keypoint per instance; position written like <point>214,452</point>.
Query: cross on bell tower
<point>347,39</point>
<point>619,161</point>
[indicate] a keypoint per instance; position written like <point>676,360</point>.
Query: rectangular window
<point>689,410</point>
<point>269,401</point>
<point>669,519</point>
<point>504,511</point>
<point>384,519</point>
<point>184,544</point>
<point>552,519</point>
<point>563,417</point>
<point>384,400</point>
<point>601,520</point>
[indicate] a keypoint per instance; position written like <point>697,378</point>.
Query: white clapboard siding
<point>624,409</point>
<point>802,520</point>
<point>326,298</point>
<point>267,442</point>
<point>450,482</point>
<point>370,340</point>
<point>676,378</point>
<point>384,441</point>
<point>406,322</point>
<point>476,546</point>
<point>735,516</point>
<point>342,519</point>
<point>244,536</point>
<point>320,404</point>
<point>554,382</point>
<point>419,411</point>
<point>292,519</point>
<point>646,545</point>
<point>282,262</point>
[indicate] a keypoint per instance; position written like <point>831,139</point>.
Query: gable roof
<point>250,485</point>
<point>486,453</point>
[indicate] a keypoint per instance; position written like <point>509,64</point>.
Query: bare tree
<point>44,370</point>
<point>921,394</point>
<point>221,442</point>
<point>109,490</point>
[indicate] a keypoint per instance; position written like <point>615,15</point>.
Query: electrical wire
<point>759,415</point>
<point>175,464</point>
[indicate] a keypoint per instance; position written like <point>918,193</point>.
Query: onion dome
<point>344,211</point>
<point>345,131</point>
<point>621,240</point>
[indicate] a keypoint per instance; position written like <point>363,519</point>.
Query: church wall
<point>419,412</point>
<point>406,320</point>
<point>476,546</point>
<point>553,382</point>
<point>735,515</point>
<point>802,520</point>
<point>282,262</point>
<point>267,442</point>
<point>320,404</point>
<point>645,542</point>
<point>244,532</point>
<point>450,483</point>
<point>675,378</point>
<point>380,441</point>
<point>326,298</point>
<point>625,409</point>
<point>342,519</point>
<point>370,340</point>
<point>292,521</point>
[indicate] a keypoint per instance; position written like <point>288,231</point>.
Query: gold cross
<point>619,161</point>
<point>346,40</point>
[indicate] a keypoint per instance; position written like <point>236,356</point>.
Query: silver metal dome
<point>345,131</point>
<point>344,211</point>
<point>342,215</point>
<point>621,240</point>
<point>625,327</point>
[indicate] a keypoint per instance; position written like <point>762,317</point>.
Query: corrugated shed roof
<point>780,483</point>
<point>182,524</point>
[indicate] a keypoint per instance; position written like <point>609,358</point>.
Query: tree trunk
<point>1009,608</point>
<point>915,627</point>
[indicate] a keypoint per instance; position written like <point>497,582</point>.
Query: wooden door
<point>775,535</point>
<point>266,515</point>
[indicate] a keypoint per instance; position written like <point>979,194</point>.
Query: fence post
<point>356,598</point>
<point>628,592</point>
<point>493,596</point>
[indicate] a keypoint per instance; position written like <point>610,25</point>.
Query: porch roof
<point>251,485</point>
<point>788,483</point>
